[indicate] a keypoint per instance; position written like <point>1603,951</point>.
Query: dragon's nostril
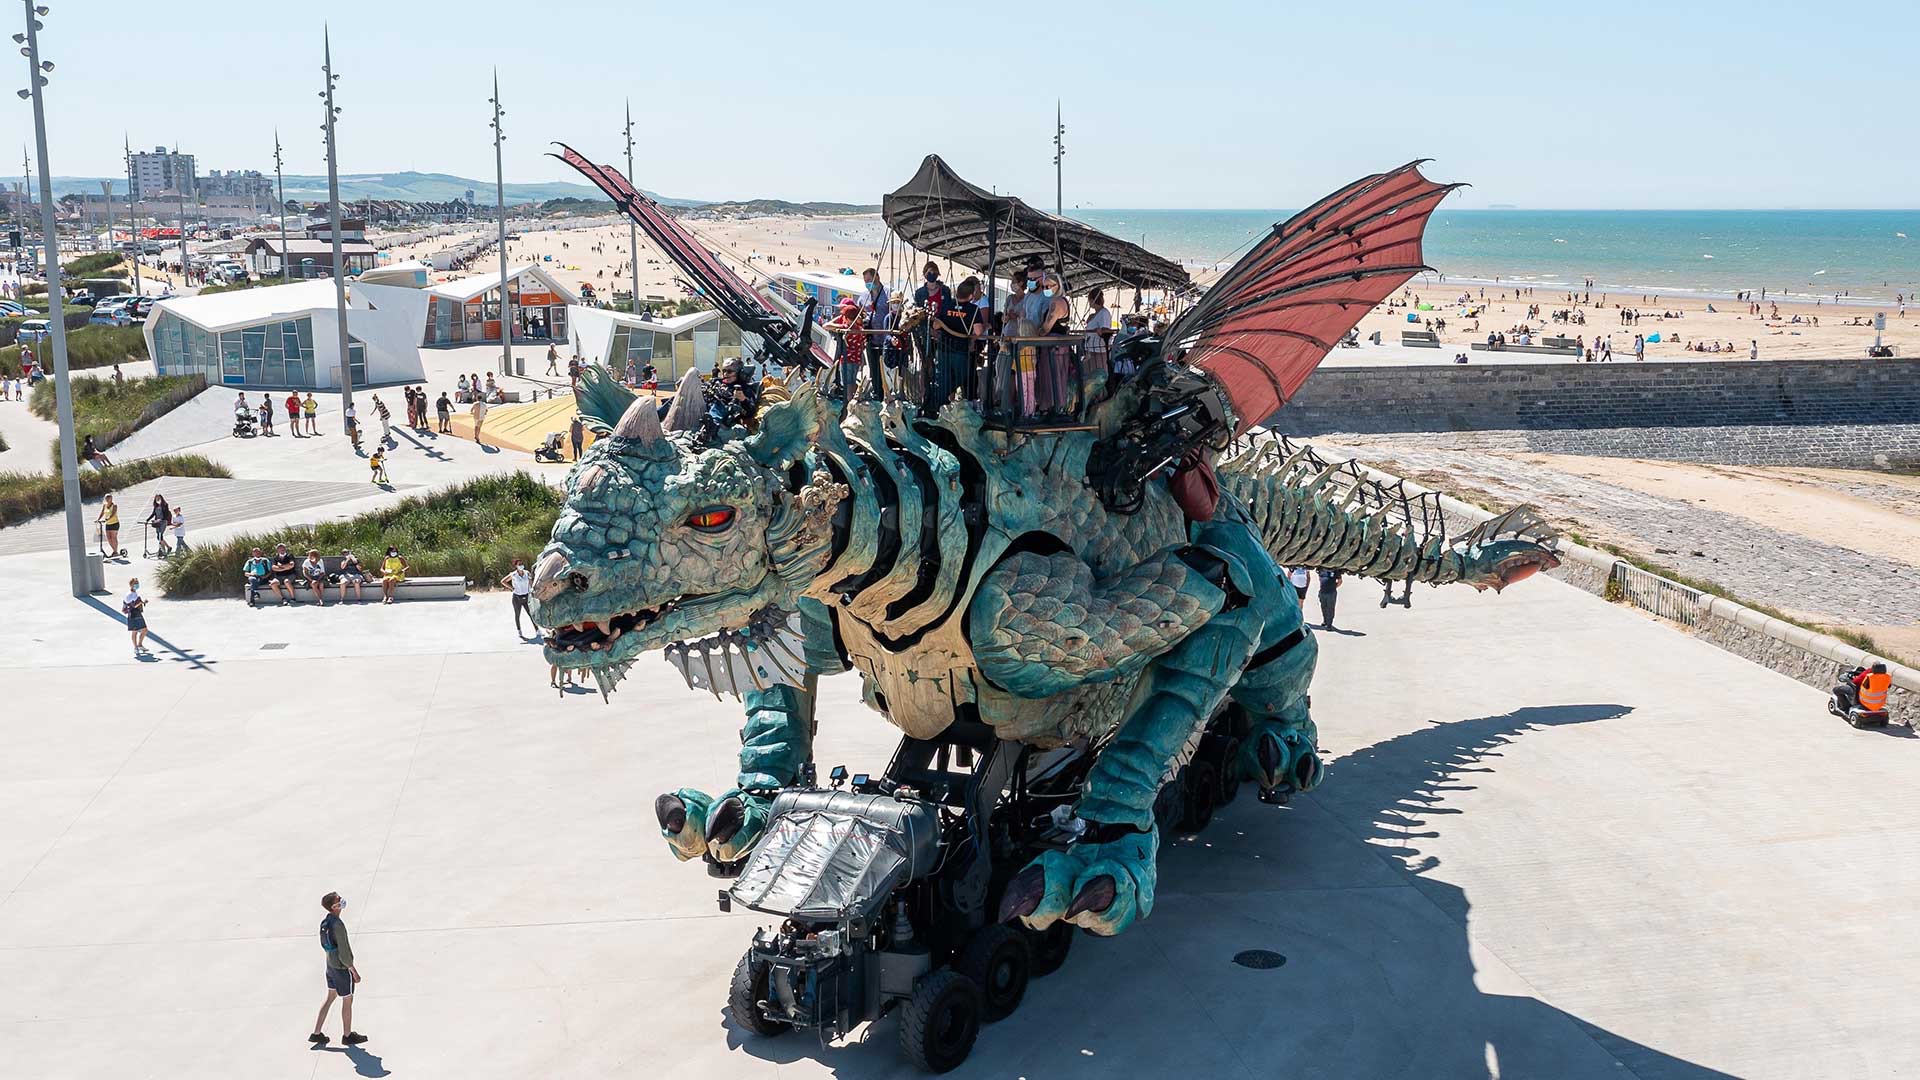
<point>578,581</point>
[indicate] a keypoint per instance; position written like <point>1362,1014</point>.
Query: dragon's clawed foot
<point>697,824</point>
<point>1103,887</point>
<point>1281,756</point>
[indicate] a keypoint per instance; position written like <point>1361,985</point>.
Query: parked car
<point>114,311</point>
<point>33,330</point>
<point>11,308</point>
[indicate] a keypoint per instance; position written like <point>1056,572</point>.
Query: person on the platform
<point>853,345</point>
<point>342,974</point>
<point>1866,689</point>
<point>1329,596</point>
<point>876,313</point>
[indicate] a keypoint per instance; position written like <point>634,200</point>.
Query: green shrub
<point>472,530</point>
<point>24,495</point>
<point>250,283</point>
<point>33,288</point>
<point>94,265</point>
<point>111,411</point>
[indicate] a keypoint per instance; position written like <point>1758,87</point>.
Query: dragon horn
<point>640,423</point>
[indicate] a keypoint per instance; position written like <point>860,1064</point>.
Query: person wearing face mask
<point>876,312</point>
<point>942,338</point>
<point>1036,319</point>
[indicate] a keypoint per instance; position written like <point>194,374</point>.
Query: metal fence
<point>1650,592</point>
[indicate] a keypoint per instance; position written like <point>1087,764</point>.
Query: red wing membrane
<point>728,292</point>
<point>1270,320</point>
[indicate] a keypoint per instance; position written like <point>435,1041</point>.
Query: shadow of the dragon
<point>1430,1018</point>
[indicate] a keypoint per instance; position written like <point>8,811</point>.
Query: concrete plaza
<point>1555,840</point>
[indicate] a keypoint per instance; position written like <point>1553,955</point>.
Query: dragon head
<point>666,536</point>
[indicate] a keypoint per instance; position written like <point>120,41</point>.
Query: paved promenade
<point>1556,840</point>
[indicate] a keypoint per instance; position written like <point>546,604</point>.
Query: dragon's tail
<point>1332,516</point>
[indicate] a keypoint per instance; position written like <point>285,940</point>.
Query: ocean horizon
<point>1855,256</point>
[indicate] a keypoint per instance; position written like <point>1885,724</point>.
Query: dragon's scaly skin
<point>956,566</point>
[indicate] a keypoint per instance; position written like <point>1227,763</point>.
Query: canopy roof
<point>943,215</point>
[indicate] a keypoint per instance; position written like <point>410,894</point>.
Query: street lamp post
<point>106,189</point>
<point>56,307</point>
<point>1059,152</point>
<point>133,228</point>
<point>633,230</point>
<point>339,263</point>
<point>500,202</point>
<point>286,258</point>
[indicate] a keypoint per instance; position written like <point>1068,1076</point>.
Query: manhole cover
<point>272,645</point>
<point>1259,959</point>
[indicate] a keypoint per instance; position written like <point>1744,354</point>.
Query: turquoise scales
<point>964,569</point>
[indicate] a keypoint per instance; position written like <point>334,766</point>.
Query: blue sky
<point>1216,104</point>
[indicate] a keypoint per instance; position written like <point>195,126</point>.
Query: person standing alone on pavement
<point>577,433</point>
<point>1298,578</point>
<point>342,975</point>
<point>521,583</point>
<point>445,408</point>
<point>1329,595</point>
<point>479,414</point>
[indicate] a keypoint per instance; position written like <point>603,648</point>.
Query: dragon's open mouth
<point>596,635</point>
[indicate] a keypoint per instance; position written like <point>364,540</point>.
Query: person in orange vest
<point>1866,689</point>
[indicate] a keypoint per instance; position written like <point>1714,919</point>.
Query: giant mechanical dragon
<point>1051,586</point>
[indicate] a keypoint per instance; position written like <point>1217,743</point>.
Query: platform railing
<point>1650,592</point>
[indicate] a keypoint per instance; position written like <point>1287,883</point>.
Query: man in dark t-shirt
<point>342,975</point>
<point>281,572</point>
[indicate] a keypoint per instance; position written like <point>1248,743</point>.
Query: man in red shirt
<point>293,413</point>
<point>850,325</point>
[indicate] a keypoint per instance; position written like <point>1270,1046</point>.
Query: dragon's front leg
<point>1106,881</point>
<point>777,740</point>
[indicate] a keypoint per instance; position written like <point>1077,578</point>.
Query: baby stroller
<point>549,450</point>
<point>245,426</point>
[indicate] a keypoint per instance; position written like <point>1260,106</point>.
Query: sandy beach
<point>598,255</point>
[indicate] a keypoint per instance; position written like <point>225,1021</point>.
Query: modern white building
<point>466,311</point>
<point>673,346</point>
<point>287,336</point>
<point>162,171</point>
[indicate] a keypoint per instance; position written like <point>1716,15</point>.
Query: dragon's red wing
<point>1270,320</point>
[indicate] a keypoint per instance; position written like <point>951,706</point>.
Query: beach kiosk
<point>466,311</point>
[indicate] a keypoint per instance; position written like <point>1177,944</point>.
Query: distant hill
<point>775,207</point>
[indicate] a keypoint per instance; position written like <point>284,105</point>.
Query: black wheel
<point>748,989</point>
<point>1230,771</point>
<point>940,1021</point>
<point>1049,947</point>
<point>998,959</point>
<point>1199,794</point>
<point>1166,805</point>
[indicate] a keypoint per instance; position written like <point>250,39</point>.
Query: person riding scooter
<point>1865,691</point>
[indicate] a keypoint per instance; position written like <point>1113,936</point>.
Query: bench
<point>1421,339</point>
<point>1544,350</point>
<point>507,397</point>
<point>413,588</point>
<point>1560,343</point>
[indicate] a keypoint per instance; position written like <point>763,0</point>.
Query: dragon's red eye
<point>712,520</point>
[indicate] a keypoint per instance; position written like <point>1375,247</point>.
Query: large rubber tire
<point>940,1021</point>
<point>1000,961</point>
<point>749,987</point>
<point>1199,794</point>
<point>1049,947</point>
<point>1230,770</point>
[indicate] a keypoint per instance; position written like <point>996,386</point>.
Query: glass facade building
<point>276,354</point>
<point>673,354</point>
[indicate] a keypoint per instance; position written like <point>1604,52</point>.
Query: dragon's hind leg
<point>1280,752</point>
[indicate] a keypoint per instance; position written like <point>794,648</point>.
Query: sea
<point>1865,257</point>
<point>1851,256</point>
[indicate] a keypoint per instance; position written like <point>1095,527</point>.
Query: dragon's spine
<point>1332,516</point>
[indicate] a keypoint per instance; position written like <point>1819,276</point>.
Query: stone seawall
<point>1842,413</point>
<point>1807,656</point>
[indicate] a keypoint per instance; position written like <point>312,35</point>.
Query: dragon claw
<point>1023,894</point>
<point>672,812</point>
<point>727,818</point>
<point>1095,896</point>
<point>1102,887</point>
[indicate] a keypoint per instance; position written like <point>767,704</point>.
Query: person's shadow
<point>364,1064</point>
